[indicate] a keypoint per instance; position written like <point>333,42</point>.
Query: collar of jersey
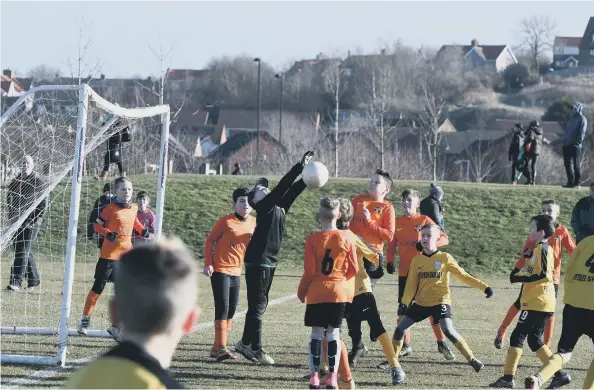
<point>123,204</point>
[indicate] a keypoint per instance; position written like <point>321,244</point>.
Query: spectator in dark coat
<point>575,132</point>
<point>532,145</point>
<point>515,154</point>
<point>432,205</point>
<point>237,170</point>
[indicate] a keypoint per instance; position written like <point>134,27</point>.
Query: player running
<point>578,315</point>
<point>330,261</point>
<point>537,301</point>
<point>428,286</point>
<point>407,243</point>
<point>116,223</point>
<point>223,259</point>
<point>560,239</point>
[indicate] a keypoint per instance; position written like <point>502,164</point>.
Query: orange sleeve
<point>522,260</point>
<point>443,239</point>
<point>352,263</point>
<point>101,222</point>
<point>211,241</point>
<point>309,269</point>
<point>386,231</point>
<point>568,242</point>
<point>391,255</point>
<point>138,226</point>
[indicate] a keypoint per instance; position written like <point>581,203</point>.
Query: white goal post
<point>74,165</point>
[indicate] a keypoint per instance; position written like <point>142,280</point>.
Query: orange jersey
<point>330,262</point>
<point>121,220</point>
<point>379,228</point>
<point>226,244</point>
<point>560,238</point>
<point>406,237</point>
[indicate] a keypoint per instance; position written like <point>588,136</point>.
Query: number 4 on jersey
<point>589,263</point>
<point>327,263</point>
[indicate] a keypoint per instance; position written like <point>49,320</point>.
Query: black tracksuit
<point>261,256</point>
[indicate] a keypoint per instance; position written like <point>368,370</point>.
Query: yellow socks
<point>397,344</point>
<point>544,354</point>
<point>553,365</point>
<point>388,348</point>
<point>463,348</point>
<point>512,360</point>
<point>589,381</point>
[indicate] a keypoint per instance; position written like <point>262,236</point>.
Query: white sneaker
<point>13,287</point>
<point>83,325</point>
<point>115,332</point>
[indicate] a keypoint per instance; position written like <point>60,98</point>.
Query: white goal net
<point>61,147</point>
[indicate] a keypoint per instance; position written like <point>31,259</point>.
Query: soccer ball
<point>315,174</point>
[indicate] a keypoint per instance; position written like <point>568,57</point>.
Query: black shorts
<point>105,270</point>
<point>576,323</point>
<point>324,315</point>
<point>363,307</point>
<point>401,286</point>
<point>418,313</point>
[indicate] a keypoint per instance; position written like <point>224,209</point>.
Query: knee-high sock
<point>548,331</point>
<point>464,350</point>
<point>333,352</point>
<point>407,336</point>
<point>397,344</point>
<point>589,381</point>
<point>324,366</point>
<point>344,370</point>
<point>388,348</point>
<point>511,361</point>
<point>551,367</point>
<point>511,315</point>
<point>315,355</point>
<point>90,303</point>
<point>544,354</point>
<point>439,336</point>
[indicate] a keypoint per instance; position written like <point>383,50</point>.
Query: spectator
<point>113,155</point>
<point>582,217</point>
<point>532,146</point>
<point>22,192</point>
<point>100,204</point>
<point>432,205</point>
<point>575,132</point>
<point>237,170</point>
<point>515,153</point>
<point>146,216</point>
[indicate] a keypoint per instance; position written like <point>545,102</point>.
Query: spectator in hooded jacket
<point>575,132</point>
<point>532,146</point>
<point>432,205</point>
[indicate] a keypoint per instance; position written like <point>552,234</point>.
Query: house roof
<point>589,30</point>
<point>548,127</point>
<point>192,115</point>
<point>567,41</point>
<point>183,74</point>
<point>489,52</point>
<point>565,57</point>
<point>19,84</point>
<point>238,141</point>
<point>314,63</point>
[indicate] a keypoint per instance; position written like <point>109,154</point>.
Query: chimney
<point>348,53</point>
<point>102,77</point>
<point>319,56</point>
<point>383,51</point>
<point>474,42</point>
<point>7,73</point>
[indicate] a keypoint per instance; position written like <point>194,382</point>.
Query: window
<point>347,72</point>
<point>571,64</point>
<point>593,37</point>
<point>592,52</point>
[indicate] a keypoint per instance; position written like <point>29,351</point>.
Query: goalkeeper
<point>114,149</point>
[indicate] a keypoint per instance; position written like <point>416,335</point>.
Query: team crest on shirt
<point>437,265</point>
<point>557,238</point>
<point>378,210</point>
<point>418,228</point>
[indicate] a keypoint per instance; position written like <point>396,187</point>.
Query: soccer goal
<point>60,147</point>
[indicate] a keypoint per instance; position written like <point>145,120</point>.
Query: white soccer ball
<point>315,174</point>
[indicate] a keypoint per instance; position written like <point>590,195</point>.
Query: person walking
<point>575,132</point>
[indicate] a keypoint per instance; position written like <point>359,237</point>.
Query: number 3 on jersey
<point>327,263</point>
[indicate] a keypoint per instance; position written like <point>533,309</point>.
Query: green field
<point>487,225</point>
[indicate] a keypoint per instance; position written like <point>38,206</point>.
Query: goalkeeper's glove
<point>489,292</point>
<point>307,157</point>
<point>390,268</point>
<point>401,309</point>
<point>377,273</point>
<point>146,233</point>
<point>111,236</point>
<point>419,246</point>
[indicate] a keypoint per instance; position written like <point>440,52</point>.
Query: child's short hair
<point>431,226</point>
<point>550,201</point>
<point>329,207</point>
<point>346,213</point>
<point>143,195</point>
<point>121,180</point>
<point>545,224</point>
<point>155,287</point>
<point>107,187</point>
<point>386,176</point>
<point>410,192</point>
<point>239,192</point>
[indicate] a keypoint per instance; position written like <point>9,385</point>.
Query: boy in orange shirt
<point>116,223</point>
<point>330,261</point>
<point>223,258</point>
<point>407,242</point>
<point>560,239</point>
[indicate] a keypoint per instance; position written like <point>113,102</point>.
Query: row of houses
<point>571,52</point>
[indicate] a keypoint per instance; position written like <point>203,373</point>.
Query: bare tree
<point>82,65</point>
<point>335,84</point>
<point>538,33</point>
<point>44,73</point>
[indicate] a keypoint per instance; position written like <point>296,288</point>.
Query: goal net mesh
<point>38,154</point>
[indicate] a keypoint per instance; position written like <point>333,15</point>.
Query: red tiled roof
<point>567,41</point>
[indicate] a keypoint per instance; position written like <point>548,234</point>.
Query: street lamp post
<point>257,59</point>
<point>281,77</point>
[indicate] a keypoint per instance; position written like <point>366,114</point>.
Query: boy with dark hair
<point>261,256</point>
<point>428,286</point>
<point>156,290</point>
<point>116,223</point>
<point>224,251</point>
<point>560,239</point>
<point>578,316</point>
<point>146,217</point>
<point>537,302</point>
<point>100,203</point>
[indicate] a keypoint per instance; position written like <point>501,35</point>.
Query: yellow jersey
<point>428,280</point>
<point>538,291</point>
<point>364,251</point>
<point>579,276</point>
<point>126,366</point>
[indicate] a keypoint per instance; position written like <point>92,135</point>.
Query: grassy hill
<point>487,224</point>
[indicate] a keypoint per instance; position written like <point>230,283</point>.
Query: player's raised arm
<point>568,242</point>
<point>443,239</point>
<point>385,231</point>
<point>309,269</point>
<point>454,268</point>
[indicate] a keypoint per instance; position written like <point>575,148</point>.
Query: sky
<point>121,34</point>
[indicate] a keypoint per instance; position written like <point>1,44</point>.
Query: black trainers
<point>503,383</point>
<point>398,375</point>
<point>560,379</point>
<point>356,353</point>
<point>476,364</point>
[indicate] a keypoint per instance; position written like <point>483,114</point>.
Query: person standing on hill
<point>575,132</point>
<point>515,154</point>
<point>432,206</point>
<point>532,145</point>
